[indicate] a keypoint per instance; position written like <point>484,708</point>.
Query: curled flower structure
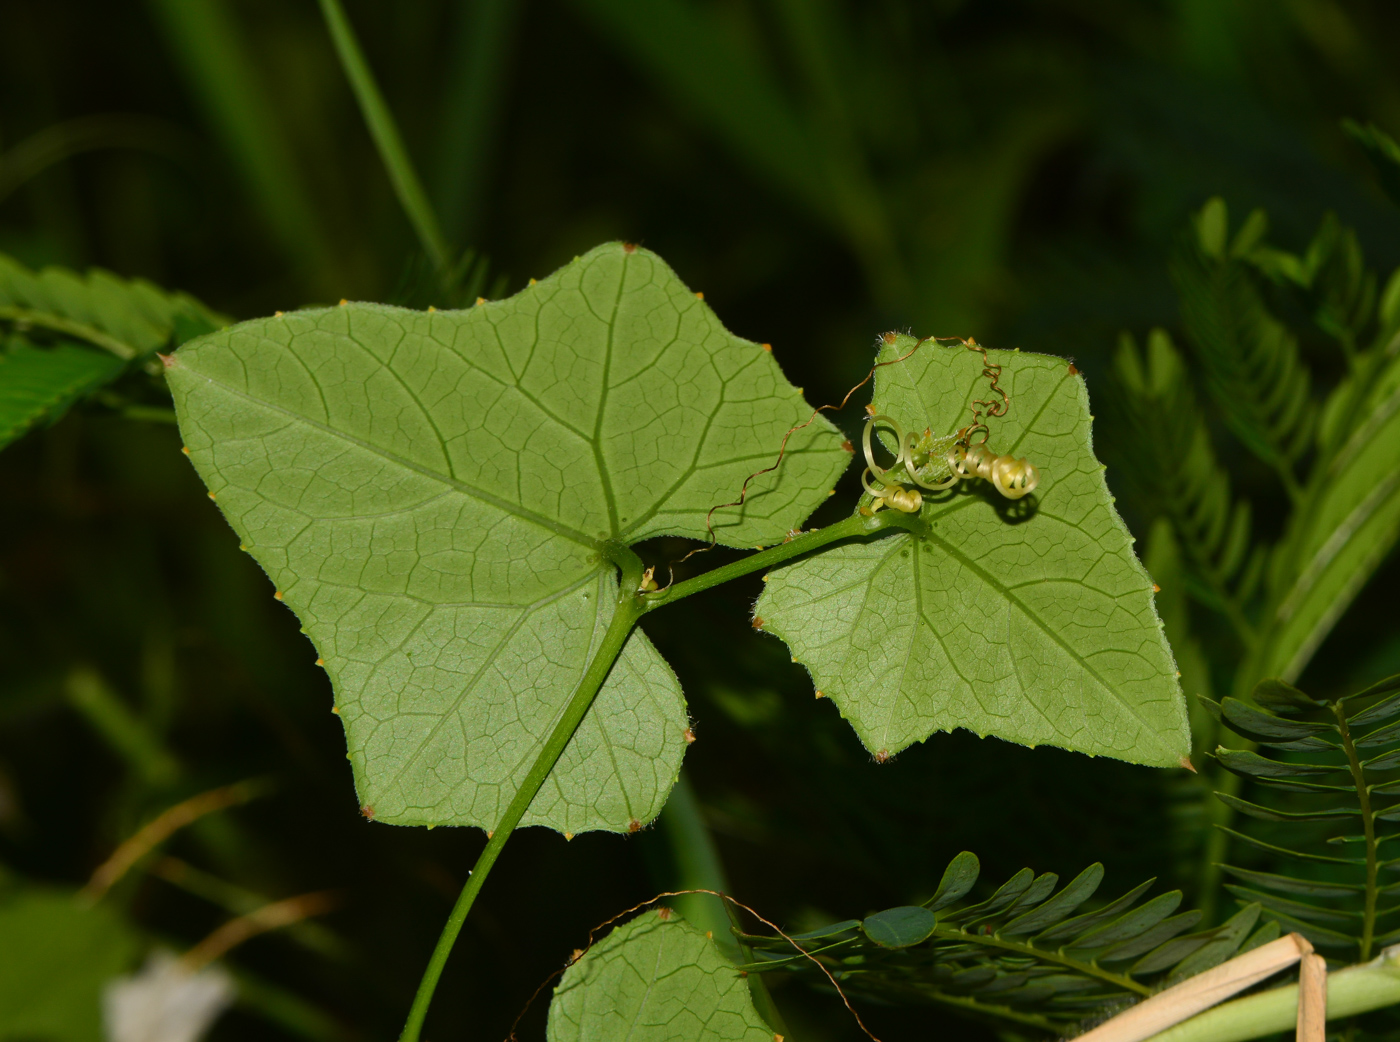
<point>937,463</point>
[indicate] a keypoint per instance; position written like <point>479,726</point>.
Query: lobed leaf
<point>435,496</point>
<point>1033,623</point>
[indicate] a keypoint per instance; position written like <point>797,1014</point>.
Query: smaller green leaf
<point>1390,788</point>
<point>1268,932</point>
<point>1297,909</point>
<point>1005,895</point>
<point>1037,892</point>
<point>1170,953</point>
<point>1383,762</point>
<point>1132,923</point>
<point>1089,920</point>
<point>1228,938</point>
<point>38,384</point>
<point>1299,854</point>
<point>1380,687</point>
<point>1320,936</point>
<point>822,932</point>
<point>1279,696</point>
<point>1076,892</point>
<point>1254,810</point>
<point>1151,938</point>
<point>654,979</point>
<point>1380,736</point>
<point>958,878</point>
<point>1254,723</point>
<point>900,927</point>
<point>1383,152</point>
<point>1291,885</point>
<point>1252,765</point>
<point>1389,813</point>
<point>1385,709</point>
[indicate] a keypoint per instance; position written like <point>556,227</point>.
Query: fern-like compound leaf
<point>436,494</point>
<point>981,958</point>
<point>1321,852</point>
<point>1032,622</point>
<point>64,335</point>
<point>1250,359</point>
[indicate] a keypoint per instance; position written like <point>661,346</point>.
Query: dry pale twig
<point>1203,991</point>
<point>1312,999</point>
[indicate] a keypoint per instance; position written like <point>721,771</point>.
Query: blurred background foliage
<point>822,171</point>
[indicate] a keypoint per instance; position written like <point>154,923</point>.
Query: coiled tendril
<point>937,463</point>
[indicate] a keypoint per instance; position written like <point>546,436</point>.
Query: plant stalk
<point>1368,826</point>
<point>625,616</point>
<point>852,527</point>
<point>386,135</point>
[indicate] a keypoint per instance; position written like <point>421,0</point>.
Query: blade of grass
<point>385,133</point>
<point>206,43</point>
<point>477,69</point>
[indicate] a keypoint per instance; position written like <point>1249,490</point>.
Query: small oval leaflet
<point>900,927</point>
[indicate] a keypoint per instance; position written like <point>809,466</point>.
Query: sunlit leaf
<point>1030,621</point>
<point>435,495</point>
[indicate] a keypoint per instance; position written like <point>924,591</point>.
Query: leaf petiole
<point>625,616</point>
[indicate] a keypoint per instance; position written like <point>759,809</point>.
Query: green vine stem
<point>1368,826</point>
<point>625,615</point>
<point>1351,991</point>
<point>630,607</point>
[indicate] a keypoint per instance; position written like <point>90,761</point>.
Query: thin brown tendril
<point>992,372</point>
<point>782,451</point>
<point>592,934</point>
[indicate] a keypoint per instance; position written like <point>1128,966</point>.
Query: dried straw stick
<point>1312,999</point>
<point>1201,992</point>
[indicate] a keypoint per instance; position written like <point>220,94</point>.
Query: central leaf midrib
<point>503,505</point>
<point>597,439</point>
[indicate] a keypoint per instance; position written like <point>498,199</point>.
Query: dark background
<point>822,171</point>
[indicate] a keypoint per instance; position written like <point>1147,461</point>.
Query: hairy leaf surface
<point>654,979</point>
<point>1030,621</point>
<point>434,494</point>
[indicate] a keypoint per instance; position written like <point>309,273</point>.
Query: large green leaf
<point>434,495</point>
<point>1343,534</point>
<point>69,334</point>
<point>654,979</point>
<point>56,957</point>
<point>1033,622</point>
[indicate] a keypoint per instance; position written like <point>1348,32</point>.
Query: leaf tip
<point>882,756</point>
<point>568,836</point>
<point>889,338</point>
<point>1156,588</point>
<point>845,444</point>
<point>167,360</point>
<point>689,735</point>
<point>335,710</point>
<point>1186,762</point>
<point>821,694</point>
<point>276,595</point>
<point>185,449</point>
<point>767,347</point>
<point>664,914</point>
<point>368,812</point>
